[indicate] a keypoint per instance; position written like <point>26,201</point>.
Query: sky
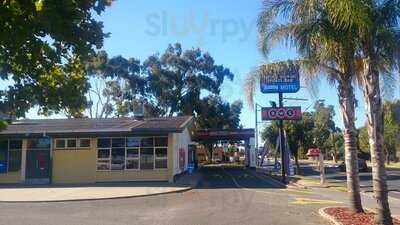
<point>224,28</point>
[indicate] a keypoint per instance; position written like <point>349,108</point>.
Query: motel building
<point>71,151</point>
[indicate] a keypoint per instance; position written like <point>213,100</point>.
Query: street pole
<point>282,141</point>
<point>256,134</point>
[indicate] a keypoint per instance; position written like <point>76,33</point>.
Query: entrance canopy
<point>213,135</point>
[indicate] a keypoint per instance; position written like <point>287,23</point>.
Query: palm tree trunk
<point>373,108</point>
<point>347,106</point>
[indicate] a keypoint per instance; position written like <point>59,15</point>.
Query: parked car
<point>362,166</point>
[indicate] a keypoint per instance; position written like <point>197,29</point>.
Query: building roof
<point>87,125</point>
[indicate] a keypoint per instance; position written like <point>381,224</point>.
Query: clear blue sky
<point>224,28</point>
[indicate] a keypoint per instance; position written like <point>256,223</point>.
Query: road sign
<point>281,113</point>
<point>287,81</point>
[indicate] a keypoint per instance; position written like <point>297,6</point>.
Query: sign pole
<point>282,141</point>
<point>256,134</point>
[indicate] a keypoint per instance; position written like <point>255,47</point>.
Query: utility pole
<point>282,141</point>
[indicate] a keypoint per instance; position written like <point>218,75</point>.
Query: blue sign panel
<point>285,82</point>
<point>3,166</point>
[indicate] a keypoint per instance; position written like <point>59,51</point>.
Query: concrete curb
<point>324,215</point>
<point>100,199</point>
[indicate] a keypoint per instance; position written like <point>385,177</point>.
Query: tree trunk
<point>388,157</point>
<point>373,109</point>
<point>296,160</point>
<point>347,107</point>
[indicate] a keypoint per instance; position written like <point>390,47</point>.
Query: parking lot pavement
<point>230,195</point>
<point>334,175</point>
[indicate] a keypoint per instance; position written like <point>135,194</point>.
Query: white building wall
<point>181,141</point>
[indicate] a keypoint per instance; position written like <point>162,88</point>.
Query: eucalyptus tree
<point>323,50</point>
<point>174,83</point>
<point>177,78</point>
<point>377,24</point>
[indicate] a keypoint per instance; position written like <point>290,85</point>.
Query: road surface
<point>334,175</point>
<point>224,196</point>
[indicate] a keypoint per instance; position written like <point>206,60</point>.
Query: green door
<point>38,164</point>
<point>37,169</point>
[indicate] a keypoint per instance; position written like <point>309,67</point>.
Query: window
<point>146,158</point>
<point>3,156</point>
<point>161,160</point>
<point>103,153</point>
<point>71,143</point>
<point>14,155</point>
<point>147,142</point>
<point>103,159</point>
<point>118,159</point>
<point>118,142</point>
<point>10,155</point>
<point>132,153</point>
<point>132,164</point>
<point>84,143</point>
<point>103,143</point>
<point>60,143</point>
<point>14,160</point>
<point>132,142</point>
<point>161,141</point>
<point>132,158</point>
<point>103,164</point>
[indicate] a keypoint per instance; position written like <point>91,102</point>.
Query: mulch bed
<point>345,216</point>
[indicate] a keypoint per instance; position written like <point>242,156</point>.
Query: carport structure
<point>212,136</point>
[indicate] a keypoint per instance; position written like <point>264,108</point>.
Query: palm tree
<point>378,34</point>
<point>325,50</point>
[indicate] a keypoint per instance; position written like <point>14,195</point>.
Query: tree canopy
<point>176,82</point>
<point>41,52</point>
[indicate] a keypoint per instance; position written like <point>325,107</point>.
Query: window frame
<point>60,139</point>
<point>140,159</point>
<point>103,159</point>
<point>79,143</point>
<point>132,158</point>
<point>160,158</point>
<point>154,147</point>
<point>19,150</point>
<point>71,139</point>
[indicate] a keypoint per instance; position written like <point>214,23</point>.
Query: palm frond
<point>349,14</point>
<point>276,33</point>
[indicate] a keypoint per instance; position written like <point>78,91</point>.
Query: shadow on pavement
<point>234,177</point>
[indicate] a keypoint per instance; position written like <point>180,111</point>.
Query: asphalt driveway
<point>225,195</point>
